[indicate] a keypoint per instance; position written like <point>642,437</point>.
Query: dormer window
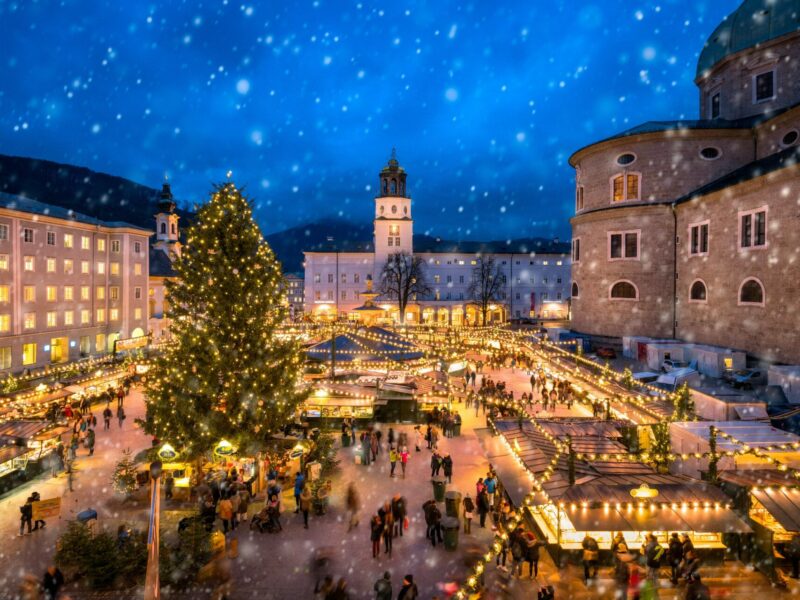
<point>763,87</point>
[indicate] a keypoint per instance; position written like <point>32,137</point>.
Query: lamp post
<point>151,585</point>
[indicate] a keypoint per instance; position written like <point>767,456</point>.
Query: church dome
<point>752,24</point>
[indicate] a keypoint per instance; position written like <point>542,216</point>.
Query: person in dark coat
<point>52,582</point>
<point>674,555</point>
<point>26,515</point>
<point>409,589</point>
<point>447,466</point>
<point>590,557</point>
<point>483,506</point>
<point>436,463</point>
<point>383,587</point>
<point>399,514</point>
<point>375,535</point>
<point>697,590</point>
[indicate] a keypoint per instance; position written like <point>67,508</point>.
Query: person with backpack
<point>591,555</point>
<point>653,553</point>
<point>469,508</point>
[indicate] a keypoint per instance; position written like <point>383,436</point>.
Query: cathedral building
<point>339,280</point>
<point>690,229</point>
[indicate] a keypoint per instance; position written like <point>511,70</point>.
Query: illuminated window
<point>115,268</point>
<point>137,313</point>
<point>68,266</point>
<point>69,317</point>
<point>5,323</point>
<point>52,318</point>
<point>625,187</point>
<point>5,357</point>
<point>394,229</point>
<point>100,342</point>
<point>101,315</point>
<point>29,321</point>
<point>85,267</point>
<point>3,262</point>
<point>28,354</point>
<point>29,263</point>
<point>68,240</point>
<point>137,268</point>
<point>101,245</point>
<point>100,292</point>
<point>101,268</point>
<point>51,292</point>
<point>85,243</point>
<point>113,314</point>
<point>29,293</point>
<point>85,317</point>
<point>5,293</point>
<point>85,292</point>
<point>69,292</point>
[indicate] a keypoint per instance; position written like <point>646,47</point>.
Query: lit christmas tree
<point>226,374</point>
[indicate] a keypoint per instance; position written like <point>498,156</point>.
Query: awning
<point>664,518</point>
<point>784,506</point>
<point>597,519</point>
<point>713,520</point>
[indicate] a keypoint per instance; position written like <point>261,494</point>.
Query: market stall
<point>340,401</point>
<point>42,437</point>
<point>589,484</point>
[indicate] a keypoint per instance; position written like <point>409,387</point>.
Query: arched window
<point>574,290</point>
<point>698,292</point>
<point>623,290</point>
<point>394,186</point>
<point>173,228</point>
<point>163,228</point>
<point>625,186</point>
<point>752,292</point>
<point>385,186</point>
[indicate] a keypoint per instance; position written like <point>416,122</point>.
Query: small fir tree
<point>227,374</point>
<point>684,403</point>
<point>661,444</point>
<point>627,379</point>
<point>124,476</point>
<point>713,461</point>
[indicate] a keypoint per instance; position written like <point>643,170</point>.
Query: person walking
<point>52,582</point>
<point>409,589</point>
<point>483,506</point>
<point>390,437</point>
<point>491,486</point>
<point>225,512</point>
<point>447,466</point>
<point>375,534</point>
<point>299,484</point>
<point>120,415</point>
<point>107,414</point>
<point>532,546</point>
<point>387,517</point>
<point>468,507</point>
<point>305,504</point>
<point>417,438</point>
<point>591,554</point>
<point>653,552</point>
<point>353,504</point>
<point>436,463</point>
<point>383,587</point>
<point>399,514</point>
<point>35,497</point>
<point>90,440</point>
<point>403,460</point>
<point>392,460</point>
<point>26,516</point>
<point>674,555</point>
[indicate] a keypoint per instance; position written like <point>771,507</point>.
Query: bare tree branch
<point>403,279</point>
<point>487,281</point>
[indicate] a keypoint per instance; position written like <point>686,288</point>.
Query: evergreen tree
<point>124,476</point>
<point>684,404</point>
<point>226,374</point>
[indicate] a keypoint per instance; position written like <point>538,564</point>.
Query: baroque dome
<point>752,24</point>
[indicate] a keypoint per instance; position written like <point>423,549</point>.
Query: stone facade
<point>709,241</point>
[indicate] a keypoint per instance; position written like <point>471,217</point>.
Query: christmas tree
<point>124,476</point>
<point>226,374</point>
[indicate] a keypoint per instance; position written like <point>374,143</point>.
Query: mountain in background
<point>112,198</point>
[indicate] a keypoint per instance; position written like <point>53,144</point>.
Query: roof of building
<point>160,264</point>
<point>752,24</point>
<point>29,205</point>
<point>430,244</point>
<point>788,157</point>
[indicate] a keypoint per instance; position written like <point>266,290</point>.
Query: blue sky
<point>303,101</point>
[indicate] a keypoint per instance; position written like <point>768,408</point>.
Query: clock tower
<point>393,225</point>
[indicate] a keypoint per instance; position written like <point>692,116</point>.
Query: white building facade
<point>535,276</point>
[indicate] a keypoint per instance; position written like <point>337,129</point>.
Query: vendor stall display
<point>42,437</point>
<point>587,483</point>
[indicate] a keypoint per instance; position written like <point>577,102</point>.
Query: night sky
<point>303,101</point>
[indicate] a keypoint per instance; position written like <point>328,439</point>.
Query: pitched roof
<point>424,243</point>
<point>160,264</point>
<point>29,205</point>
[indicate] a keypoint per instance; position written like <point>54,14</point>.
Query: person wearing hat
<point>409,589</point>
<point>383,587</point>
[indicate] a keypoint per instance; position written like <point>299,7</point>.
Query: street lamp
<point>151,585</point>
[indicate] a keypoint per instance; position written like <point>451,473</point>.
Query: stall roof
<point>783,505</point>
<point>362,345</point>
<point>758,477</point>
<point>23,429</point>
<point>754,434</point>
<point>707,520</point>
<point>11,452</point>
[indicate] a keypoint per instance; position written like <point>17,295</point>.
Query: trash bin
<point>450,527</point>
<point>452,502</point>
<point>439,484</point>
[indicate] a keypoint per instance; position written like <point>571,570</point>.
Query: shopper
<point>409,589</point>
<point>383,587</point>
<point>403,460</point>
<point>468,508</point>
<point>392,460</point>
<point>447,467</point>
<point>305,504</point>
